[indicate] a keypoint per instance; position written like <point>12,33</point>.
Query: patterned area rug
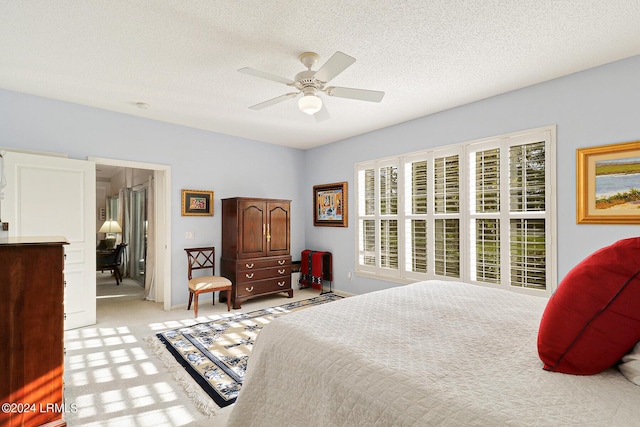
<point>215,353</point>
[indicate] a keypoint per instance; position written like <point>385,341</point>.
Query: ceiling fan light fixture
<point>310,104</point>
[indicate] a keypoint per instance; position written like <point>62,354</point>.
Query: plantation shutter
<point>527,242</point>
<point>447,247</point>
<point>446,211</point>
<point>487,226</point>
<point>388,217</point>
<point>487,248</point>
<point>527,226</point>
<point>366,212</point>
<point>487,167</point>
<point>527,181</point>
<point>447,184</point>
<point>416,216</point>
<point>480,211</point>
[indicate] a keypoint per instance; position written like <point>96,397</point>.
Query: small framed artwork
<point>197,203</point>
<point>330,205</point>
<point>608,184</point>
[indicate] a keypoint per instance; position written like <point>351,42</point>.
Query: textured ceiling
<point>181,57</point>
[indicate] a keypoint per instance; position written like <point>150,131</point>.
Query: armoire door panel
<point>278,224</point>
<point>252,229</point>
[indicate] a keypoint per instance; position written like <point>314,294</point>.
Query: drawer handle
<point>281,261</point>
<point>281,284</point>
<point>282,271</point>
<point>249,289</point>
<point>249,265</point>
<point>249,276</point>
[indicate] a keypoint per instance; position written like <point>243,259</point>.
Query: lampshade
<point>110,227</point>
<point>310,104</point>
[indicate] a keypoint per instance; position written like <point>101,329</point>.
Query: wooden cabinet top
<point>34,240</point>
<point>257,199</point>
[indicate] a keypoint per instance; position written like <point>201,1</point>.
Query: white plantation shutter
<point>368,248</point>
<point>479,211</point>
<point>485,227</point>
<point>416,196</point>
<point>447,247</point>
<point>416,245</point>
<point>388,217</point>
<point>389,243</point>
<point>487,250</point>
<point>528,254</point>
<point>447,184</point>
<point>527,199</point>
<point>389,190</point>
<point>446,195</point>
<point>487,176</point>
<point>378,227</point>
<point>369,192</point>
<point>527,177</point>
<point>418,191</point>
<point>366,221</point>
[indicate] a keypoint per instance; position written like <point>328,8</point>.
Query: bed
<point>430,353</point>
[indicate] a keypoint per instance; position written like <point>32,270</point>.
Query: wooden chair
<point>204,258</point>
<point>111,260</point>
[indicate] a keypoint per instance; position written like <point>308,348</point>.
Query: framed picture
<point>197,203</point>
<point>330,205</point>
<point>608,184</point>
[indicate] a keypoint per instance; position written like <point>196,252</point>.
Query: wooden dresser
<point>256,247</point>
<point>32,331</point>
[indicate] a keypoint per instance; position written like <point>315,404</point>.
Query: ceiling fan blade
<point>359,94</point>
<point>334,66</point>
<point>273,101</point>
<point>265,75</point>
<point>323,114</point>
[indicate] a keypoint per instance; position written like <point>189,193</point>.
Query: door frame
<point>162,178</point>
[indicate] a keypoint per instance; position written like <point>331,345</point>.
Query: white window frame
<point>467,213</point>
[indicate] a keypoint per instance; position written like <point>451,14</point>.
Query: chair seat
<point>208,282</point>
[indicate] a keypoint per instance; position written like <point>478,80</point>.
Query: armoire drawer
<point>258,263</point>
<point>247,276</point>
<point>263,286</point>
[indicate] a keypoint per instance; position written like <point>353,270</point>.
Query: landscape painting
<point>608,184</point>
<point>618,183</point>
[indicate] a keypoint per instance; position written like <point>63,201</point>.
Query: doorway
<point>153,226</point>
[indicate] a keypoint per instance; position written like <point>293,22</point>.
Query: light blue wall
<point>594,107</point>
<point>598,106</point>
<point>199,160</point>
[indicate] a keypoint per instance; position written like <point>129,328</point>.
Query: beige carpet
<point>113,378</point>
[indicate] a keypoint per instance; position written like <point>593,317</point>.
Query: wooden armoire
<point>256,247</point>
<point>32,331</point>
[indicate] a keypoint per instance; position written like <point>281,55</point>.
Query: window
<point>480,211</point>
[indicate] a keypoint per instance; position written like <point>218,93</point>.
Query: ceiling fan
<point>309,83</point>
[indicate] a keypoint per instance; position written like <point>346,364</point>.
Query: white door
<point>55,196</point>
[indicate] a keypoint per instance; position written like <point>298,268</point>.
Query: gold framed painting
<point>608,184</point>
<point>197,203</point>
<point>330,205</point>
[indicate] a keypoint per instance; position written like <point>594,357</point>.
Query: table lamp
<point>111,227</point>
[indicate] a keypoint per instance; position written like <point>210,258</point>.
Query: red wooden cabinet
<point>31,331</point>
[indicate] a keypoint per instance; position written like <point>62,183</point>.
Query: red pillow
<point>593,318</point>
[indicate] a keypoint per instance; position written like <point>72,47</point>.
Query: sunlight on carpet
<point>212,356</point>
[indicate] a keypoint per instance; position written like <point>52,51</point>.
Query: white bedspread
<point>428,354</point>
